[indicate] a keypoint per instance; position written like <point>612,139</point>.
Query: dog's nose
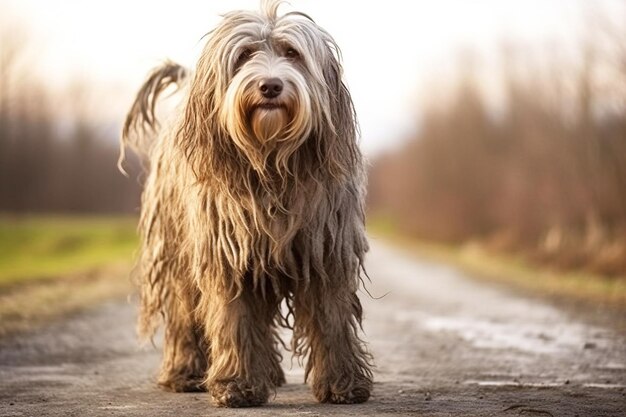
<point>271,87</point>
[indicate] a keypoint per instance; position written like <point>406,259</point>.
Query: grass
<point>52,265</point>
<point>511,270</point>
<point>39,248</point>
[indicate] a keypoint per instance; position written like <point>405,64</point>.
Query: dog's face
<point>268,98</point>
<point>272,82</point>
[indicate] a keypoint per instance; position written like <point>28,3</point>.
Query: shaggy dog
<point>254,199</point>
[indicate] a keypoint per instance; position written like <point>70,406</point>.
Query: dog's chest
<point>260,226</point>
<point>281,222</point>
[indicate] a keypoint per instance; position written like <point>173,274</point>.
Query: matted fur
<point>248,203</point>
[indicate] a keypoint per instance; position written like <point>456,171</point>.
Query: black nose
<point>271,87</point>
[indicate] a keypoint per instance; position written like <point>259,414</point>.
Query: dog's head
<point>267,84</point>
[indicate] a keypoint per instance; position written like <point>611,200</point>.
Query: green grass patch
<point>510,269</point>
<point>42,247</point>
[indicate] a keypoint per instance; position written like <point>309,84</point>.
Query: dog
<point>252,214</point>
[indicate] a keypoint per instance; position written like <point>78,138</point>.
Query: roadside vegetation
<point>52,265</point>
<point>39,248</point>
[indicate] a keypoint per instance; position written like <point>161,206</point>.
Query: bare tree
<point>546,177</point>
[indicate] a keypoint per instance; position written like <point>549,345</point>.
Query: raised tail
<point>141,123</point>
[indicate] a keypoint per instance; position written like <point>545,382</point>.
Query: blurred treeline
<point>56,155</point>
<point>542,174</point>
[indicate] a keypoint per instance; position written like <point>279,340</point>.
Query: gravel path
<point>443,344</point>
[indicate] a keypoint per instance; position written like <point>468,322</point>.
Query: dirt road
<point>444,345</point>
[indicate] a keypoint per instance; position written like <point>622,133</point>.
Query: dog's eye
<point>291,53</point>
<point>243,57</point>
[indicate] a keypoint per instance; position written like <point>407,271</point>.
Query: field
<point>51,266</point>
<point>39,248</point>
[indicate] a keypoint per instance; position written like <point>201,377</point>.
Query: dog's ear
<point>194,133</point>
<point>199,132</point>
<point>343,144</point>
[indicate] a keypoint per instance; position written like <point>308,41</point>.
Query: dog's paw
<point>182,383</point>
<point>235,394</point>
<point>356,394</point>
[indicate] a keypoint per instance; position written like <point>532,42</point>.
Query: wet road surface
<point>443,344</point>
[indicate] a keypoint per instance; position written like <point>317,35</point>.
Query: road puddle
<point>527,337</point>
<point>604,386</point>
<point>513,383</point>
<point>541,384</point>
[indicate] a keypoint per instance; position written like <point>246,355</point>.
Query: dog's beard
<point>268,125</point>
<point>260,127</point>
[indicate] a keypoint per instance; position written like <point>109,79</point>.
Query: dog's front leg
<point>327,316</point>
<point>245,364</point>
<point>184,348</point>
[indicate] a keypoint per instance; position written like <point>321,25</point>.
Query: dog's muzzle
<point>271,87</point>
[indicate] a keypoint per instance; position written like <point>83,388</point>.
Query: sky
<point>392,49</point>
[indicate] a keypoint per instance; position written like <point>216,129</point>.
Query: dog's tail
<point>141,124</point>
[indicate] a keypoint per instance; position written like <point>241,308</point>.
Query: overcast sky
<point>392,49</point>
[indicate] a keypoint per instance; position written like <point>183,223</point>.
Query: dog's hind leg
<point>185,352</point>
<point>327,319</point>
<point>245,363</point>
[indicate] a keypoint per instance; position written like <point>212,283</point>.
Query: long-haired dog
<point>254,199</point>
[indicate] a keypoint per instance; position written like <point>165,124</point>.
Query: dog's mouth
<point>270,106</point>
